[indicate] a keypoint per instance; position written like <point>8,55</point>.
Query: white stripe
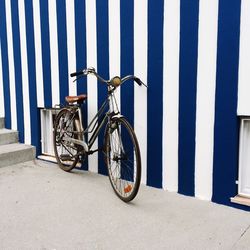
<point>92,62</point>
<point>71,43</point>
<point>171,94</point>
<point>25,78</point>
<point>54,53</point>
<point>38,51</point>
<point>1,86</point>
<point>244,72</point>
<point>140,70</point>
<point>11,67</point>
<point>205,104</point>
<point>114,42</point>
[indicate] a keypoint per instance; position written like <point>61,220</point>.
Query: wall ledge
<point>241,200</point>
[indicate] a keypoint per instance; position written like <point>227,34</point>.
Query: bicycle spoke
<point>67,150</point>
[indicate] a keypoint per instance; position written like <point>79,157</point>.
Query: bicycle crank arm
<point>78,142</point>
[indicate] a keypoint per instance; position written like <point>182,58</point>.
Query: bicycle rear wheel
<point>122,156</point>
<point>67,125</point>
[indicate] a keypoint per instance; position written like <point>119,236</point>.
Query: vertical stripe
<point>45,38</point>
<point>127,58</point>
<point>187,94</point>
<point>206,77</point>
<point>38,53</point>
<point>114,42</point>
<point>25,77</point>
<point>55,83</point>
<point>91,81</point>
<point>62,49</point>
<point>1,85</point>
<point>102,64</point>
<point>226,125</point>
<point>18,68</point>
<point>171,94</point>
<point>5,65</point>
<point>71,44</point>
<point>244,73</point>
<point>80,29</point>
<point>155,90</point>
<point>12,85</point>
<point>35,126</point>
<point>140,70</point>
<point>127,67</point>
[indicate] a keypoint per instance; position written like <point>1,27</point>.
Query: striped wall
<point>191,54</point>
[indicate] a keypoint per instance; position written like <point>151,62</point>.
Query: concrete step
<point>15,153</point>
<point>8,136</point>
<point>2,122</point>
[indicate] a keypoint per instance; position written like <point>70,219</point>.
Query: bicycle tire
<point>67,122</point>
<point>125,177</point>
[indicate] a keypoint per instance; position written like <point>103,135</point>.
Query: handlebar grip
<point>138,81</point>
<point>76,74</point>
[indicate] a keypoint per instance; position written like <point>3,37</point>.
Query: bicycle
<point>120,146</point>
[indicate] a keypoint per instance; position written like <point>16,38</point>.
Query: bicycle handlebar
<point>136,79</point>
<point>91,70</point>
<point>76,74</point>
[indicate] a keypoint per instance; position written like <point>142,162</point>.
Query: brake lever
<point>78,78</point>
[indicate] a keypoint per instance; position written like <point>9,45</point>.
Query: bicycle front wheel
<point>123,159</point>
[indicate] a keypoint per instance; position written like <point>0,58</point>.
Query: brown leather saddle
<point>79,99</point>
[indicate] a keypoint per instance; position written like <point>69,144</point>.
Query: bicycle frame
<point>98,121</point>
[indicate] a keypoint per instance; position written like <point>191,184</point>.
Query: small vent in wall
<point>47,121</point>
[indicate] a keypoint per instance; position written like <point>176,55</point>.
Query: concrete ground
<point>43,207</point>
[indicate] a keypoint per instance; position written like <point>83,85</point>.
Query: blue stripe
<point>226,128</point>
<point>127,58</point>
<point>81,56</point>
<point>102,64</point>
<point>18,68</point>
<point>155,90</point>
<point>62,49</point>
<point>5,65</point>
<point>80,32</point>
<point>44,15</point>
<point>31,58</point>
<point>189,14</point>
<point>127,68</point>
